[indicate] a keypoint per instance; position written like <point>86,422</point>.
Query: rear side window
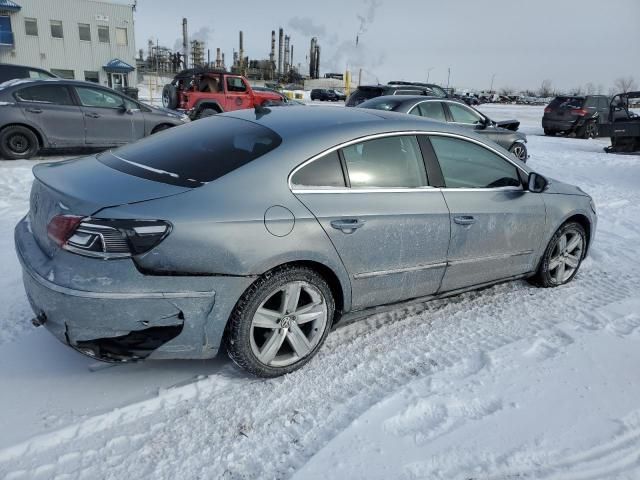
<point>391,162</point>
<point>194,154</point>
<point>326,171</point>
<point>468,165</point>
<point>432,110</point>
<point>54,94</point>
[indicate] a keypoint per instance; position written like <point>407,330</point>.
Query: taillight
<point>61,228</point>
<point>581,112</point>
<point>101,238</point>
<point>548,110</point>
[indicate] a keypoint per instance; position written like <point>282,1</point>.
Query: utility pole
<point>448,78</point>
<point>492,79</point>
<point>428,73</point>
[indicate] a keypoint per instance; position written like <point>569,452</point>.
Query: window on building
<point>68,74</point>
<point>56,29</point>
<point>6,34</point>
<point>31,27</point>
<point>103,34</point>
<point>84,31</point>
<point>121,36</point>
<point>92,76</point>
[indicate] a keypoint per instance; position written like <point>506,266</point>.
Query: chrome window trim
<point>317,189</point>
<point>379,273</point>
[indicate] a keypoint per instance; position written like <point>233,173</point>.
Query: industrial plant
<point>278,67</point>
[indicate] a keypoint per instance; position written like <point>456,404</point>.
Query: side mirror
<point>536,183</point>
<point>482,124</point>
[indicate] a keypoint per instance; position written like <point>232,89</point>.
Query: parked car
<point>367,92</point>
<point>456,112</point>
<point>13,72</point>
<point>324,94</point>
<point>580,115</point>
<point>57,113</point>
<point>200,93</point>
<point>340,95</point>
<point>356,210</point>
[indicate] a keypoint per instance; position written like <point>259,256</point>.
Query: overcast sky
<point>570,42</point>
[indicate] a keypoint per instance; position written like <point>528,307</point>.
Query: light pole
<point>428,73</point>
<point>492,79</point>
<point>448,77</point>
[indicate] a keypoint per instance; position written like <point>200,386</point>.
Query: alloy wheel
<point>566,257</point>
<point>288,324</point>
<point>520,152</point>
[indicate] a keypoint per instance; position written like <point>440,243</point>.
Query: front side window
<point>390,162</point>
<point>121,37</point>
<point>191,157</point>
<point>468,165</point>
<point>92,97</point>
<point>53,94</point>
<point>325,171</point>
<point>236,84</point>
<point>463,114</point>
<point>56,29</point>
<point>84,32</point>
<point>31,27</point>
<point>103,34</point>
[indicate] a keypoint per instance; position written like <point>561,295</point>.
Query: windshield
<point>194,154</point>
<point>362,94</point>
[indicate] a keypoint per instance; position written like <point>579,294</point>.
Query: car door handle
<point>464,220</point>
<point>92,115</point>
<point>34,110</point>
<point>347,225</point>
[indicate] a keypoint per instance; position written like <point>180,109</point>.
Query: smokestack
<point>218,59</point>
<point>286,53</point>
<point>223,63</point>
<point>272,55</point>
<point>317,59</point>
<point>280,50</point>
<point>312,53</point>
<point>185,42</point>
<point>291,57</point>
<point>241,55</point>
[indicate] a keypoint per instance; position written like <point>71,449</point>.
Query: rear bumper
<point>561,125</point>
<point>110,311</point>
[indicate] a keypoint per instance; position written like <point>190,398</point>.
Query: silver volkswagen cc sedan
<point>258,230</point>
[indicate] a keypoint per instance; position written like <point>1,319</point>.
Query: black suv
<point>323,94</point>
<point>11,72</point>
<point>368,92</point>
<point>582,115</point>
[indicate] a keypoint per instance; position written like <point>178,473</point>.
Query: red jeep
<point>203,92</point>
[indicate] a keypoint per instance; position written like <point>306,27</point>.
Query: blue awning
<point>9,5</point>
<point>117,66</point>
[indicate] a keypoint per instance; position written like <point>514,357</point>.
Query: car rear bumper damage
<point>114,313</point>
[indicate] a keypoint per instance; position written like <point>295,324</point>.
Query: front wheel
<point>563,256</point>
<point>280,322</point>
<point>18,142</point>
<point>519,150</point>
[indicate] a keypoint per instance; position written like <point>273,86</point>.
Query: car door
<point>110,119</point>
<point>389,227</point>
<point>496,225</point>
<point>237,95</point>
<point>51,108</point>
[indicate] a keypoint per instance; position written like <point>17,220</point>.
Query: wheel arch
<point>202,104</point>
<point>585,223</point>
<point>160,125</point>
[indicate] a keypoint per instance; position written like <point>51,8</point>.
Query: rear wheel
<point>590,130</point>
<point>18,142</point>
<point>563,256</point>
<point>207,112</point>
<point>549,132</point>
<point>170,97</point>
<point>280,322</point>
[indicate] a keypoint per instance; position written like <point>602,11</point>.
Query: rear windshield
<point>381,104</point>
<point>195,154</point>
<point>567,102</point>
<point>362,94</point>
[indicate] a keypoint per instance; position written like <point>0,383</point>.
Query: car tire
<point>18,142</point>
<point>207,112</point>
<point>161,128</point>
<point>589,130</point>
<point>265,336</point>
<point>170,97</point>
<point>549,133</point>
<point>569,243</point>
<point>519,150</point>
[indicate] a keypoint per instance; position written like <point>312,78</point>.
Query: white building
<point>82,39</point>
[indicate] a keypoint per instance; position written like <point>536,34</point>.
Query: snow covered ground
<point>509,382</point>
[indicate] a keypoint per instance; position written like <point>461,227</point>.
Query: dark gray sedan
<point>458,113</point>
<point>57,113</point>
<point>261,229</point>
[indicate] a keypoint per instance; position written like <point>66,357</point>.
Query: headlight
<point>592,205</point>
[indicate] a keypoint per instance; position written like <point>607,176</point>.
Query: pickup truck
<point>204,92</point>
